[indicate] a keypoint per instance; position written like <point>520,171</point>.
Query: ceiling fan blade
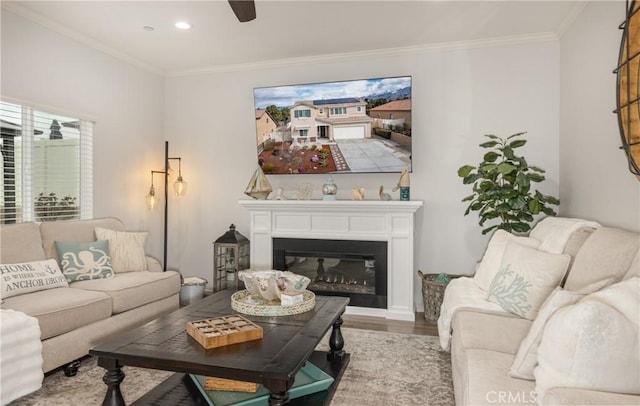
<point>245,10</point>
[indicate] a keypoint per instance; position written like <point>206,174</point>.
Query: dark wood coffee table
<point>287,343</point>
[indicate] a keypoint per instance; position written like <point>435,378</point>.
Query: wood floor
<point>420,326</point>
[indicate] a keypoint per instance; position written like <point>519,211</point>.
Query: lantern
<point>230,255</point>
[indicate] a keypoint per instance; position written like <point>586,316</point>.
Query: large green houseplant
<point>502,187</point>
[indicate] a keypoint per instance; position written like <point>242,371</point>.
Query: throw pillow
<point>127,249</point>
<point>490,264</point>
<point>527,358</point>
<point>85,261</point>
<point>526,278</point>
<point>593,344</point>
<point>17,279</point>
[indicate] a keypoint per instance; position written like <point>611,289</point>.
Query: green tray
<point>310,379</point>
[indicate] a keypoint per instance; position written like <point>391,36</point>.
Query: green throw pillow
<point>85,261</point>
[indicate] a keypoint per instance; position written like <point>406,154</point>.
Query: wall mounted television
<point>353,126</point>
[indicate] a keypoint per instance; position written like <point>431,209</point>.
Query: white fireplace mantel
<point>365,220</point>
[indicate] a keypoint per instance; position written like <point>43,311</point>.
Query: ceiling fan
<point>245,10</point>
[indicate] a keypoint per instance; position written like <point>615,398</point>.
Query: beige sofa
<point>485,339</point>
<point>73,319</point>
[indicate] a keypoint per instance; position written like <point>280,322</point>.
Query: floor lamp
<point>179,187</point>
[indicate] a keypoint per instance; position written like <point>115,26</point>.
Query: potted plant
<point>502,186</point>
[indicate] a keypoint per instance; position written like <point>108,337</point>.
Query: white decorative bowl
<point>270,285</point>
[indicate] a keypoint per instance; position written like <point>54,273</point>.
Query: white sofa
<point>573,362</point>
<point>73,319</point>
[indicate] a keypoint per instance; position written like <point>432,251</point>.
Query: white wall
<point>54,72</point>
<point>457,97</point>
<point>595,180</point>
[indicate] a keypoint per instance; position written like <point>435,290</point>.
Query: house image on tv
<point>265,125</point>
<point>392,114</point>
<point>329,120</point>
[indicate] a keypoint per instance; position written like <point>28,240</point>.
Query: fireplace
<point>391,223</point>
<point>356,269</point>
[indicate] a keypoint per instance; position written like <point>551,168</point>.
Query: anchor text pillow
<point>26,277</point>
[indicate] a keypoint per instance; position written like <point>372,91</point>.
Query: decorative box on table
<point>224,330</point>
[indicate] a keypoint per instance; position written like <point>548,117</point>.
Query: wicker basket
<point>432,294</point>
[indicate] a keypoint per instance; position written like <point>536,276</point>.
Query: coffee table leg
<point>336,342</point>
<point>278,399</point>
<point>113,377</point>
<point>278,395</point>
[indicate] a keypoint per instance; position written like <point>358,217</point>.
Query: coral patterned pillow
<point>85,261</point>
<point>526,278</point>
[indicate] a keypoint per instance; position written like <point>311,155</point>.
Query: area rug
<point>385,368</point>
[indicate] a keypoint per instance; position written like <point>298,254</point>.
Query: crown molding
<point>387,52</point>
<point>570,18</point>
<point>84,39</point>
<point>288,62</point>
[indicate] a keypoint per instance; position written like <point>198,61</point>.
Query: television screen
<point>335,127</point>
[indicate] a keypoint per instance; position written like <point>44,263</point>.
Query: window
<point>47,164</point>
<point>301,113</point>
<point>359,109</point>
<point>304,133</point>
<point>338,111</point>
<point>321,111</point>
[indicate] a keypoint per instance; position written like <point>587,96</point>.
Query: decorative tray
<point>224,330</point>
<point>243,302</point>
<point>310,379</point>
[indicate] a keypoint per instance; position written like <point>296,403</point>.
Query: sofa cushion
<point>85,260</point>
<point>574,243</point>
<point>527,355</point>
<point>20,242</point>
<point>26,277</point>
<point>460,293</point>
<point>62,310</point>
<point>526,277</point>
<point>490,264</point>
<point>488,383</point>
<point>127,249</point>
<point>594,343</point>
<point>607,254</point>
<point>73,231</point>
<point>487,330</point>
<point>134,289</point>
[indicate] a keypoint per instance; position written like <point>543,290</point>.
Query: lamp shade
<point>151,199</point>
<point>180,186</point>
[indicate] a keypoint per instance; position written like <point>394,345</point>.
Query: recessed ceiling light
<point>183,25</point>
<point>148,28</point>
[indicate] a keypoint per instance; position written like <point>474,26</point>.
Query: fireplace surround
<point>349,220</point>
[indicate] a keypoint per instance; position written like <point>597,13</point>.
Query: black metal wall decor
<point>628,86</point>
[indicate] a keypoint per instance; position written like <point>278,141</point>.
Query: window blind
<point>47,164</point>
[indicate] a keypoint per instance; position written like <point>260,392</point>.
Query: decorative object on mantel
<point>280,194</point>
<point>384,196</point>
<point>628,87</point>
<point>357,193</point>
<point>403,185</point>
<point>231,254</point>
<point>304,191</point>
<point>259,186</point>
<point>329,189</point>
<point>501,185</point>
